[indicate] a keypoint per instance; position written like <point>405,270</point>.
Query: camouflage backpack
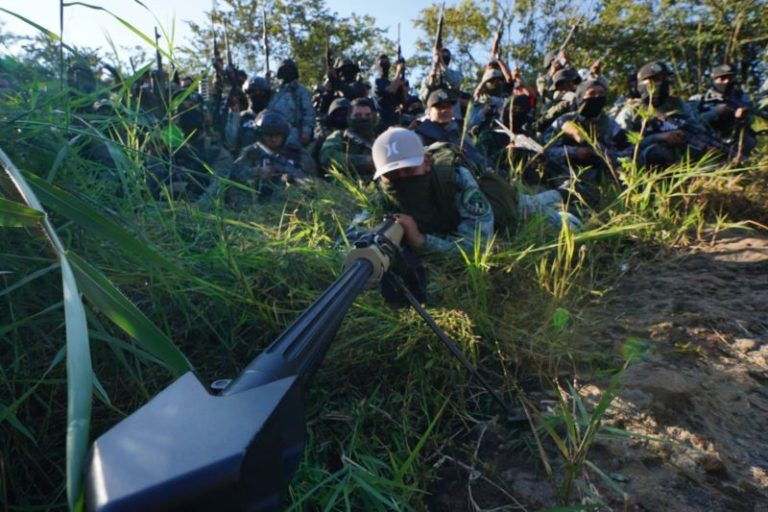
<point>502,196</point>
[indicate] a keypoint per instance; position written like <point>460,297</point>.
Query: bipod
<point>513,415</point>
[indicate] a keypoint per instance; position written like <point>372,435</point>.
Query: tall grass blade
<point>150,41</point>
<point>15,215</point>
<point>66,204</point>
<point>79,369</point>
<point>118,308</point>
<point>51,35</point>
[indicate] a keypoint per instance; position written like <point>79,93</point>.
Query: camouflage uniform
<point>447,205</point>
<point>672,114</point>
<point>266,170</point>
<point>350,151</point>
<point>294,101</point>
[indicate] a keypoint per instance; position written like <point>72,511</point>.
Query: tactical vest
<point>498,191</point>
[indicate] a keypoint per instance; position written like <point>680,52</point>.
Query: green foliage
<point>299,30</point>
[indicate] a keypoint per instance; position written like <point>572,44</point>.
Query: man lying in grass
<point>441,204</point>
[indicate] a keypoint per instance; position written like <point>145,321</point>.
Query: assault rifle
<point>158,55</point>
<point>400,58</point>
<point>265,41</point>
<point>437,73</point>
<point>698,139</point>
<point>570,34</point>
<point>190,450</point>
<point>496,46</point>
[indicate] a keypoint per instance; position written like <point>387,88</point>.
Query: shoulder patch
<point>474,202</point>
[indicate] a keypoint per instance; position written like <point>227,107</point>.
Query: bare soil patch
<point>702,388</point>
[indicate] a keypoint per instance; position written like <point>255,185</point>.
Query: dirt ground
<point>702,388</point>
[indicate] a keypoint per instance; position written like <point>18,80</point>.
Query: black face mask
<point>726,89</point>
<point>364,127</point>
<point>383,68</point>
<point>660,92</point>
<point>348,73</point>
<point>258,101</point>
<point>591,107</point>
<point>447,59</point>
<point>337,120</point>
<point>191,120</point>
<point>287,74</point>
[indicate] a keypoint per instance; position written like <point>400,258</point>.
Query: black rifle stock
<point>190,450</point>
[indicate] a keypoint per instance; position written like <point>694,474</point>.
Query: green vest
<point>430,199</point>
<point>498,191</point>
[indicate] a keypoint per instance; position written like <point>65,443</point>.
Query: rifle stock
<point>189,450</point>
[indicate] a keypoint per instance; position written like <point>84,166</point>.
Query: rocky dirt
<point>700,393</point>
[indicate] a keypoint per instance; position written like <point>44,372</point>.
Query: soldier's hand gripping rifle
<point>571,32</point>
<point>400,58</point>
<point>496,46</point>
<point>235,88</point>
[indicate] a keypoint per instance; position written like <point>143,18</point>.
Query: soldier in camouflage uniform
<point>562,100</point>
<point>239,129</point>
<point>670,130</point>
<point>573,158</point>
<point>554,61</point>
<point>490,95</point>
<point>350,149</point>
<point>442,77</point>
<point>440,126</point>
<point>513,147</point>
<point>389,95</point>
<point>726,109</point>
<point>294,102</point>
<point>439,209</point>
<point>442,204</point>
<point>270,163</point>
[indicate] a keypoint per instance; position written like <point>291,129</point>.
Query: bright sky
<point>87,27</point>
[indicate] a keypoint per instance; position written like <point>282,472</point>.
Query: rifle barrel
<point>302,346</point>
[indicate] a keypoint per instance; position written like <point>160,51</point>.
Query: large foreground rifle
<point>193,451</point>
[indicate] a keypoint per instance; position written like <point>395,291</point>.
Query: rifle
<point>400,58</point>
<point>496,46</point>
<point>437,63</point>
<point>265,41</point>
<point>329,56</point>
<point>698,139</point>
<point>158,55</point>
<point>187,449</point>
<point>570,34</point>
